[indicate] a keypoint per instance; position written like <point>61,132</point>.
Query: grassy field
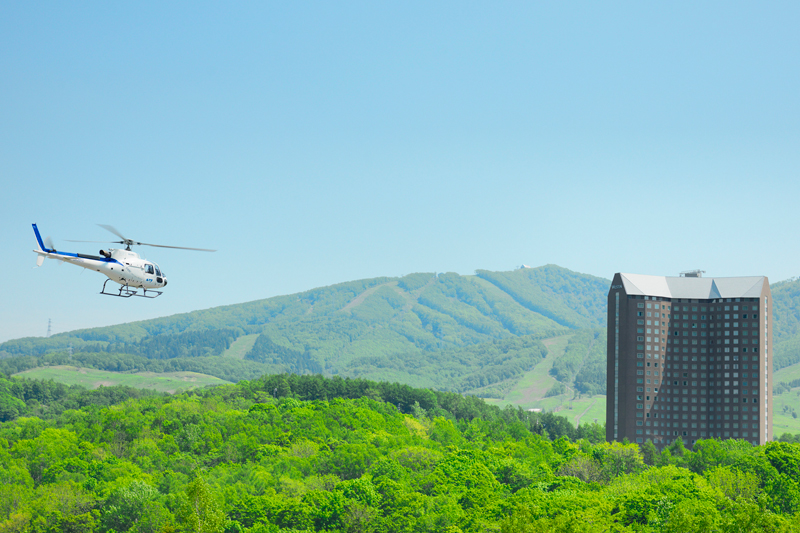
<point>529,391</point>
<point>170,382</point>
<point>241,346</point>
<point>534,384</point>
<point>790,373</point>
<point>783,422</point>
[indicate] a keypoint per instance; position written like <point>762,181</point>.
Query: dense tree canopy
<point>293,453</point>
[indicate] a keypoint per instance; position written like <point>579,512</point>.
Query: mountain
<point>444,331</point>
<point>421,329</point>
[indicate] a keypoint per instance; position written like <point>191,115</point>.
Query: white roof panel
<point>749,287</point>
<point>690,287</point>
<point>643,284</point>
<point>693,288</point>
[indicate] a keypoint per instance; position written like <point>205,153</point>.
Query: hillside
<point>445,330</point>
<point>786,329</point>
<point>483,334</point>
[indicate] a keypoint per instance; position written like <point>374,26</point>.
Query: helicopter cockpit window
<point>158,271</point>
<point>149,269</point>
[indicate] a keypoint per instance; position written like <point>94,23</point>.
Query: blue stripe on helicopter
<point>39,238</point>
<point>90,257</point>
<point>69,254</point>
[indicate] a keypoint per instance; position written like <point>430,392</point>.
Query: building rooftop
<point>693,288</point>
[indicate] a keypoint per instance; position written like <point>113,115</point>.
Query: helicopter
<point>124,267</point>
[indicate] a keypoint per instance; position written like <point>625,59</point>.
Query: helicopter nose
<point>165,282</point>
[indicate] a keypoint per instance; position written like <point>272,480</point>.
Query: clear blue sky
<point>313,143</point>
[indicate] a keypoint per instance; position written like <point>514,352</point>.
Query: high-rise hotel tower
<point>689,356</point>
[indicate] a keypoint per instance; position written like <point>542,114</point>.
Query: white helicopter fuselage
<point>121,266</point>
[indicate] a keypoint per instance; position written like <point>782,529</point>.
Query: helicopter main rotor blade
<point>177,247</point>
<point>113,230</point>
<point>100,242</point>
<point>130,242</point>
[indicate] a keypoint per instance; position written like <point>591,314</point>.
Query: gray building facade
<point>689,356</point>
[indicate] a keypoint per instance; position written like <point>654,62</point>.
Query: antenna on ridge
<point>49,324</point>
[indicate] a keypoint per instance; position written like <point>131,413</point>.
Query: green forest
<point>483,335</point>
<point>355,408</point>
<point>306,453</point>
<point>472,334</point>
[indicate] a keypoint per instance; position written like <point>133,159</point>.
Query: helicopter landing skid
<point>125,291</point>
